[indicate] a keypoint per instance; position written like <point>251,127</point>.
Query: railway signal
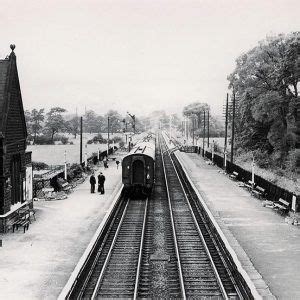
<point>133,119</point>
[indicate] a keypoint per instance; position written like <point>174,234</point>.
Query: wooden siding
<point>13,142</point>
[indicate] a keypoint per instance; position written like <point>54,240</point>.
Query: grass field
<point>54,154</point>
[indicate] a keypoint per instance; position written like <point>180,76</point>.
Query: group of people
<point>101,180</point>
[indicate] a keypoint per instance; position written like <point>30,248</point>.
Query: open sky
<point>134,55</point>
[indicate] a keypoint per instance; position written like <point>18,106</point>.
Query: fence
<point>49,179</point>
<point>273,191</point>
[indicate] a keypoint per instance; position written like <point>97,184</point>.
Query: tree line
<point>42,125</point>
<point>199,115</point>
<point>264,83</point>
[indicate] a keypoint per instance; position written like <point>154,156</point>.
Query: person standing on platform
<point>117,162</point>
<point>105,162</point>
<point>101,180</point>
<point>93,183</point>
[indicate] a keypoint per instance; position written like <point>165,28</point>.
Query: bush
<point>43,140</point>
<point>117,139</point>
<point>64,140</point>
<point>97,139</point>
<point>76,170</point>
<point>37,165</point>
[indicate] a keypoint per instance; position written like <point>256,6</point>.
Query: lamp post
<point>65,173</point>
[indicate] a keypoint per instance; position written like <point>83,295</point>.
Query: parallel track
<point>202,273</point>
<point>164,247</point>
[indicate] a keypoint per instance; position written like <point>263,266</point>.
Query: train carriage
<point>138,169</point>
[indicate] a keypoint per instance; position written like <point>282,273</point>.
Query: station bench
<point>21,222</point>
<point>234,175</point>
<point>258,192</point>
<point>249,185</point>
<point>48,193</point>
<point>27,213</point>
<point>66,187</point>
<point>282,206</point>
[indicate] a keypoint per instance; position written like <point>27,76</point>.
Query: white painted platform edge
<point>240,268</point>
<point>115,195</point>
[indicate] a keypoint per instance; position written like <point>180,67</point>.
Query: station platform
<point>267,247</point>
<point>37,264</point>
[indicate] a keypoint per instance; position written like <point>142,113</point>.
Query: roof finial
<point>12,47</point>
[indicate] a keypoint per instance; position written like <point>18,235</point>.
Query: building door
<point>16,180</point>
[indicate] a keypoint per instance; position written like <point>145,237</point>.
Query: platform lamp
<point>65,166</point>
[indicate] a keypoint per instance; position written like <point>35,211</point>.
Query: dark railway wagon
<point>138,169</point>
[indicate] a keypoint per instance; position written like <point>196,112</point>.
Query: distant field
<point>54,154</point>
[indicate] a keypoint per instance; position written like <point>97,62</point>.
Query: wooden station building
<point>13,133</point>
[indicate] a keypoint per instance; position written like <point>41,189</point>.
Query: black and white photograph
<point>149,149</point>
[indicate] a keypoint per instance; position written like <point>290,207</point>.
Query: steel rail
<point>90,273</point>
<point>94,295</point>
<point>174,230</point>
<point>201,235</point>
<point>140,253</point>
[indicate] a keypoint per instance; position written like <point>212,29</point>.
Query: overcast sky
<point>135,56</point>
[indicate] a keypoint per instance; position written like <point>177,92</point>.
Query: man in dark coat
<point>93,183</point>
<point>101,180</point>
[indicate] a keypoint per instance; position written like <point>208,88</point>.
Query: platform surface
<point>258,234</point>
<point>37,264</point>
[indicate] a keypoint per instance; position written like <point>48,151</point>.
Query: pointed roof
<point>8,69</point>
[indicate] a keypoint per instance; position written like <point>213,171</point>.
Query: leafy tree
<point>195,112</point>
<point>27,114</point>
<point>265,85</point>
<point>37,117</point>
<point>34,120</point>
<point>90,121</point>
<point>55,122</point>
<point>115,121</point>
<point>72,126</point>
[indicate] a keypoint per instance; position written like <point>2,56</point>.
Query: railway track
<point>164,247</point>
<point>203,273</point>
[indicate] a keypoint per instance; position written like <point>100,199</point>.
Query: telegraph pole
<point>203,144</point>
<point>232,133</point>
<point>107,135</point>
<point>193,131</point>
<point>208,129</point>
<point>80,140</point>
<point>226,123</point>
<point>170,126</point>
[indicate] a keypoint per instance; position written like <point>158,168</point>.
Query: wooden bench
<point>234,175</point>
<point>282,206</point>
<point>48,193</point>
<point>21,222</point>
<point>27,212</point>
<point>10,223</point>
<point>249,185</point>
<point>258,192</point>
<point>66,187</point>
